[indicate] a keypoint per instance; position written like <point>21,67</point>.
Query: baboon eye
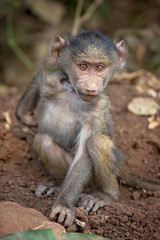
<point>99,68</point>
<point>83,66</point>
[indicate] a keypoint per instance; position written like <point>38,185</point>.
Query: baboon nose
<point>91,91</point>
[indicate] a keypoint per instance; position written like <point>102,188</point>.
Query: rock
<point>157,194</point>
<point>15,218</point>
<point>114,221</point>
<point>73,228</point>
<point>124,219</point>
<point>136,195</point>
<point>94,221</point>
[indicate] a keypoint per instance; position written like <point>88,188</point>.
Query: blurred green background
<point>28,26</point>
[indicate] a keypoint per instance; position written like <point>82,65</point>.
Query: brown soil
<point>137,213</point>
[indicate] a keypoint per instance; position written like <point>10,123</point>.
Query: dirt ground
<point>137,213</point>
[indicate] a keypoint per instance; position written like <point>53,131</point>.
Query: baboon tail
<point>134,180</point>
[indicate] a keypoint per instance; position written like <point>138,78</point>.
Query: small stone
<point>128,224</point>
<point>124,219</point>
<point>32,188</point>
<point>10,183</point>
<point>73,228</point>
<point>136,195</point>
<point>129,214</point>
<point>140,229</point>
<point>157,194</point>
<point>114,221</point>
<point>23,184</point>
<point>127,234</point>
<point>94,221</point>
<point>99,231</point>
<point>142,216</point>
<point>133,226</point>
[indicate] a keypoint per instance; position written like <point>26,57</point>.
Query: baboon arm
<point>78,175</point>
<point>29,102</point>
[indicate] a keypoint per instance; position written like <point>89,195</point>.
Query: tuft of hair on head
<point>91,43</point>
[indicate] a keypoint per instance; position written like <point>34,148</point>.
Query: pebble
<point>133,226</point>
<point>127,234</point>
<point>140,229</point>
<point>114,221</point>
<point>157,194</point>
<point>129,214</point>
<point>124,219</point>
<point>10,183</point>
<point>72,228</point>
<point>94,221</point>
<point>136,195</point>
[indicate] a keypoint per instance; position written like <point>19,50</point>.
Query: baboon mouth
<point>87,97</point>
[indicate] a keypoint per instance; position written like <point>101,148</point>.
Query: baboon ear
<point>58,45</point>
<point>121,49</point>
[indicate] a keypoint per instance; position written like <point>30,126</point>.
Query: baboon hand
<point>92,202</point>
<point>29,120</point>
<point>63,215</point>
